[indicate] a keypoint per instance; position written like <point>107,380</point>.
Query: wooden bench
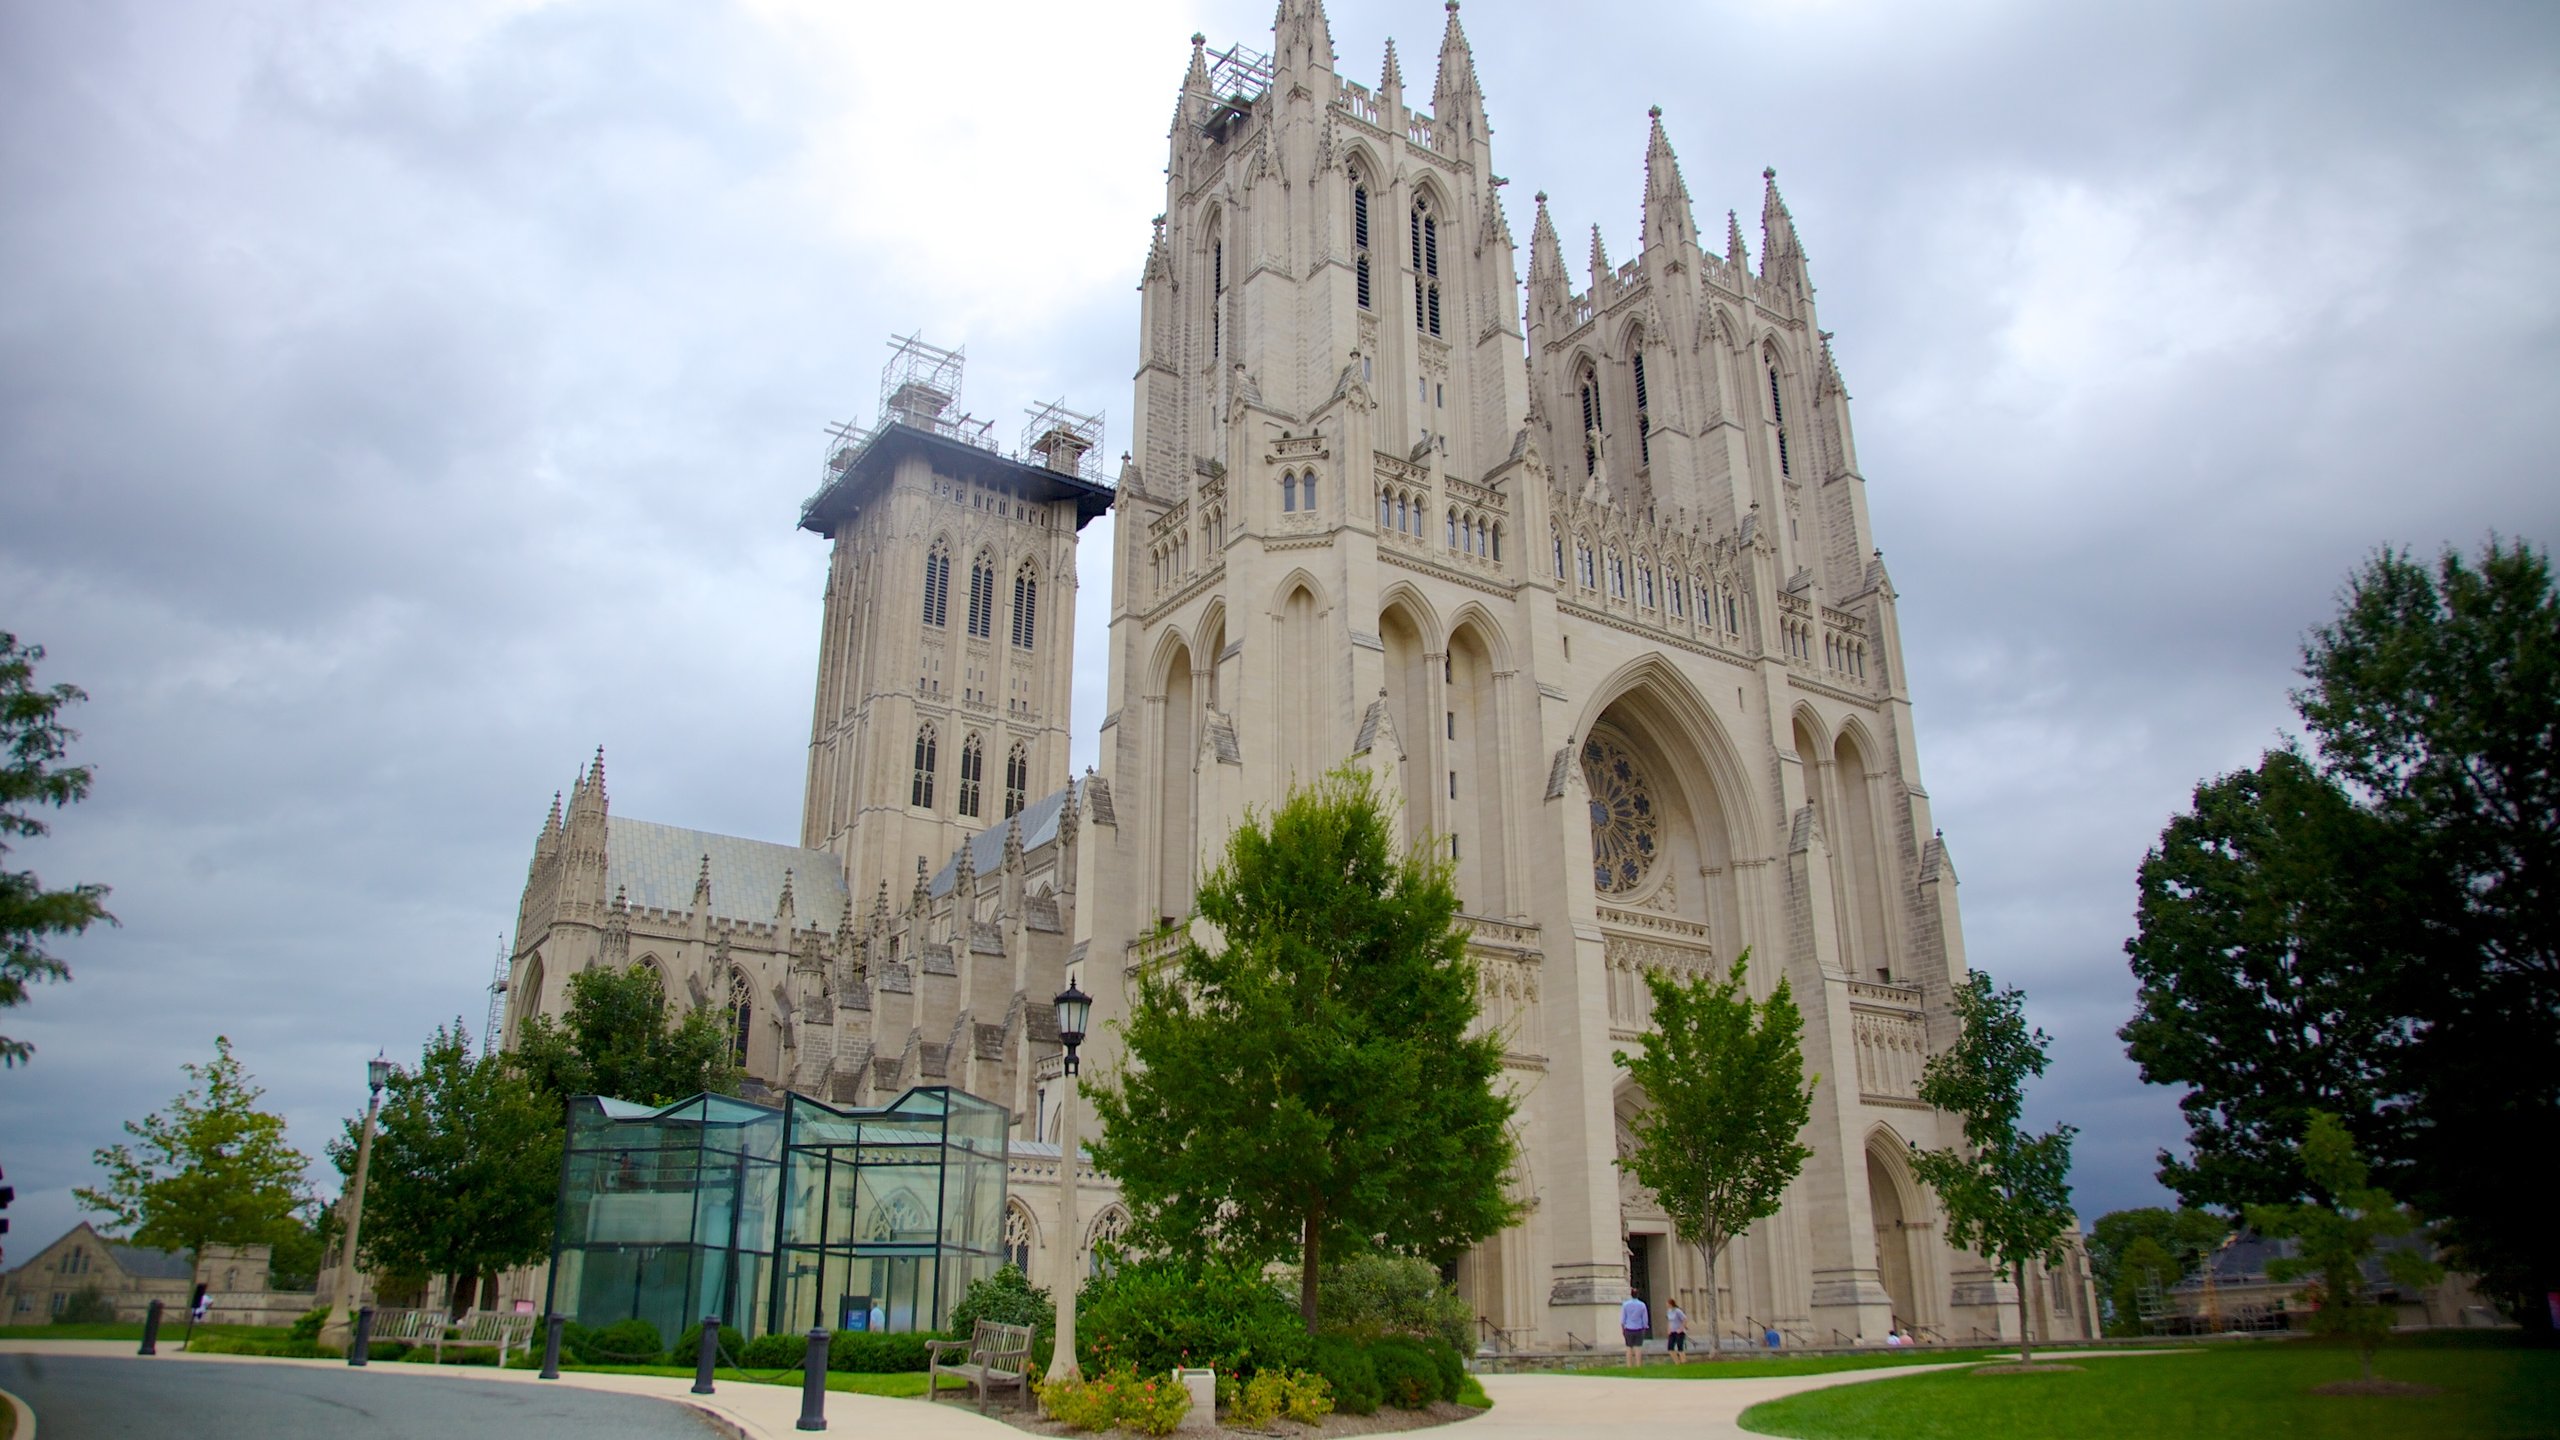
<point>996,1355</point>
<point>478,1330</point>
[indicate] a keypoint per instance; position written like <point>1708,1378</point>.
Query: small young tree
<point>2007,1193</point>
<point>32,740</point>
<point>1726,1104</point>
<point>466,1169</point>
<point>1309,1088</point>
<point>213,1169</point>
<point>616,1039</point>
<point>2338,1237</point>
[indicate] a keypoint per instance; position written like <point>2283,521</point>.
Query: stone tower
<point>946,653</point>
<point>1609,622</point>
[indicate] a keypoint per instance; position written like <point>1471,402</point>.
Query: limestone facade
<point>1584,576</point>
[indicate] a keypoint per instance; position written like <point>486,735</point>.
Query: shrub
<point>260,1345</point>
<point>1348,1373</point>
<point>778,1351</point>
<point>1150,1407</point>
<point>1154,1316</point>
<point>633,1342</point>
<point>1078,1404</point>
<point>307,1325</point>
<point>1305,1397</point>
<point>1252,1404</point>
<point>873,1352</point>
<point>1405,1373</point>
<point>1008,1298</point>
<point>394,1350</point>
<point>1451,1365</point>
<point>87,1307</point>
<point>1376,1295</point>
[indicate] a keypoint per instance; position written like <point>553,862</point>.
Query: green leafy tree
<point>1308,1087</point>
<point>213,1168</point>
<point>294,1262</point>
<point>615,1038</point>
<point>2007,1193</point>
<point>2153,1245</point>
<point>33,741</point>
<point>2434,694</point>
<point>2338,1235</point>
<point>1727,1099</point>
<point>466,1169</point>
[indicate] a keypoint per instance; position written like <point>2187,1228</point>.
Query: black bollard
<point>551,1347</point>
<point>151,1330</point>
<point>706,1355</point>
<point>358,1348</point>
<point>813,1383</point>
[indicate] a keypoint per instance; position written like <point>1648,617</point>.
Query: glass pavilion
<point>778,1217</point>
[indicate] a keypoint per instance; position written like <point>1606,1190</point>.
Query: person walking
<point>1635,1324</point>
<point>1678,1320</point>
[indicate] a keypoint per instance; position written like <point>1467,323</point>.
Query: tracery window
<point>1102,1242</point>
<point>1556,538</point>
<point>1778,417</point>
<point>973,768</point>
<point>1017,1236</point>
<point>742,1007</point>
<point>1017,781</point>
<point>982,596</point>
<point>937,584</point>
<point>1623,823</point>
<point>1583,563</point>
<point>1589,387</point>
<point>1617,576</point>
<point>1644,585</point>
<point>1217,295</point>
<point>1426,266</point>
<point>1360,234</point>
<point>1644,417</point>
<point>920,788</point>
<point>1026,607</point>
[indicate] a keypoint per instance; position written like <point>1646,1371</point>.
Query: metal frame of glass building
<point>778,1217</point>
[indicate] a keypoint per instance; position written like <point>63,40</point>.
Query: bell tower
<point>947,652</point>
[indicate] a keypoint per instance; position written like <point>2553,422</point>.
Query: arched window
<point>1360,234</point>
<point>937,584</point>
<point>1778,417</point>
<point>920,790</point>
<point>982,596</point>
<point>742,1005</point>
<point>1017,781</point>
<point>1386,511</point>
<point>1557,539</point>
<point>1589,388</point>
<point>1644,417</point>
<point>1426,266</point>
<point>1026,606</point>
<point>1217,295</point>
<point>1617,576</point>
<point>1582,563</point>
<point>1644,585</point>
<point>1307,491</point>
<point>1450,520</point>
<point>1400,512</point>
<point>1288,491</point>
<point>1102,1242</point>
<point>1497,542</point>
<point>973,768</point>
<point>1018,1233</point>
<point>1672,584</point>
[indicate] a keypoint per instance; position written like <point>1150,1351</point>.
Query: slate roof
<point>144,1263</point>
<point>1039,822</point>
<point>657,864</point>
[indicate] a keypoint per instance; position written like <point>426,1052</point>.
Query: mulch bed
<point>2373,1387</point>
<point>1387,1421</point>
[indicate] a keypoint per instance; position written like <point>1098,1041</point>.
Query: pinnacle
<point>1734,250</point>
<point>1599,255</point>
<point>1392,79</point>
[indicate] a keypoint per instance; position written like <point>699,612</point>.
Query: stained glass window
<point>1622,816</point>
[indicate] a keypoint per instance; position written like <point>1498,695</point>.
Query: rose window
<point>1622,816</point>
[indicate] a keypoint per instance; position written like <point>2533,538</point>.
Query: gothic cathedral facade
<point>1585,578</point>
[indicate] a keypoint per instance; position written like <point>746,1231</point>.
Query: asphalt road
<point>89,1398</point>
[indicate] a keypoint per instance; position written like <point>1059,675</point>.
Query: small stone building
<point>130,1277</point>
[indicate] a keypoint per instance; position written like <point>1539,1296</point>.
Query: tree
<point>2267,930</point>
<point>2434,694</point>
<point>1726,1104</point>
<point>33,740</point>
<point>294,1262</point>
<point>214,1169</point>
<point>2007,1193</point>
<point>615,1039</point>
<point>2338,1236</point>
<point>1308,1086</point>
<point>466,1168</point>
<point>2131,1249</point>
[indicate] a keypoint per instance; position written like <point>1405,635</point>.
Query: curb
<point>26,1417</point>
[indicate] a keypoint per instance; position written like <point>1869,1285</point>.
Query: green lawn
<point>1762,1367</point>
<point>2493,1387</point>
<point>172,1330</point>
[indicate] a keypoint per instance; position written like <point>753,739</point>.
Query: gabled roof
<point>658,864</point>
<point>1039,822</point>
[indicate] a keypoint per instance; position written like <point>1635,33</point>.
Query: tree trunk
<point>1308,1258</point>
<point>1715,1348</point>
<point>2026,1339</point>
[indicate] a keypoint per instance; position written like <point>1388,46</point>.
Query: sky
<point>399,401</point>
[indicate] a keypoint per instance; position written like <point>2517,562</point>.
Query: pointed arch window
<point>1555,538</point>
<point>1288,491</point>
<point>1644,412</point>
<point>1026,606</point>
<point>1582,563</point>
<point>1307,491</point>
<point>1017,781</point>
<point>1426,267</point>
<point>1360,234</point>
<point>1589,388</point>
<point>1617,576</point>
<point>920,788</point>
<point>973,769</point>
<point>1778,417</point>
<point>937,584</point>
<point>742,1007</point>
<point>982,596</point>
<point>1644,585</point>
<point>1217,295</point>
<point>1671,583</point>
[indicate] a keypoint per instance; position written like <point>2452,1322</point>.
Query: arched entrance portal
<point>1893,1238</point>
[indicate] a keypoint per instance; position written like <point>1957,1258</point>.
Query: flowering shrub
<point>1304,1396</point>
<point>1151,1407</point>
<point>1078,1404</point>
<point>1118,1398</point>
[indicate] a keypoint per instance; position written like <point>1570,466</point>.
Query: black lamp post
<point>377,1073</point>
<point>1074,1009</point>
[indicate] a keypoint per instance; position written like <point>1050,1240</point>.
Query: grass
<point>1763,1367</point>
<point>172,1330</point>
<point>2492,1386</point>
<point>1471,1394</point>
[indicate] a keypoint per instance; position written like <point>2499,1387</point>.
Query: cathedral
<point>1584,576</point>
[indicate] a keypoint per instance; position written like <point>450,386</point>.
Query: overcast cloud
<point>399,400</point>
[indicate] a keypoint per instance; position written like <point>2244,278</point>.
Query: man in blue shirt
<point>1635,1325</point>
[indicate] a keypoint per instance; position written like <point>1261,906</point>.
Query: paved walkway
<point>1555,1407</point>
<point>756,1412</point>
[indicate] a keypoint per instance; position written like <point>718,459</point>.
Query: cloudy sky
<point>397,401</point>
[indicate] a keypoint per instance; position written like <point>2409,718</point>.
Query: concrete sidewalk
<point>757,1412</point>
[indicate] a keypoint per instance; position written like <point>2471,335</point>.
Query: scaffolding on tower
<point>1068,441</point>
<point>497,1003</point>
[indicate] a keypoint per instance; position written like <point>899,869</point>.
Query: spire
<point>1829,381</point>
<point>599,776</point>
<point>1599,262</point>
<point>1159,265</point>
<point>1781,253</point>
<point>1455,96</point>
<point>1547,283</point>
<point>1301,36</point>
<point>1196,80</point>
<point>921,893</point>
<point>784,909</point>
<point>1391,80</point>
<point>1667,217</point>
<point>1735,253</point>
<point>702,886</point>
<point>549,839</point>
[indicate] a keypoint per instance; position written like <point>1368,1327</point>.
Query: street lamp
<point>377,1073</point>
<point>1074,1008</point>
